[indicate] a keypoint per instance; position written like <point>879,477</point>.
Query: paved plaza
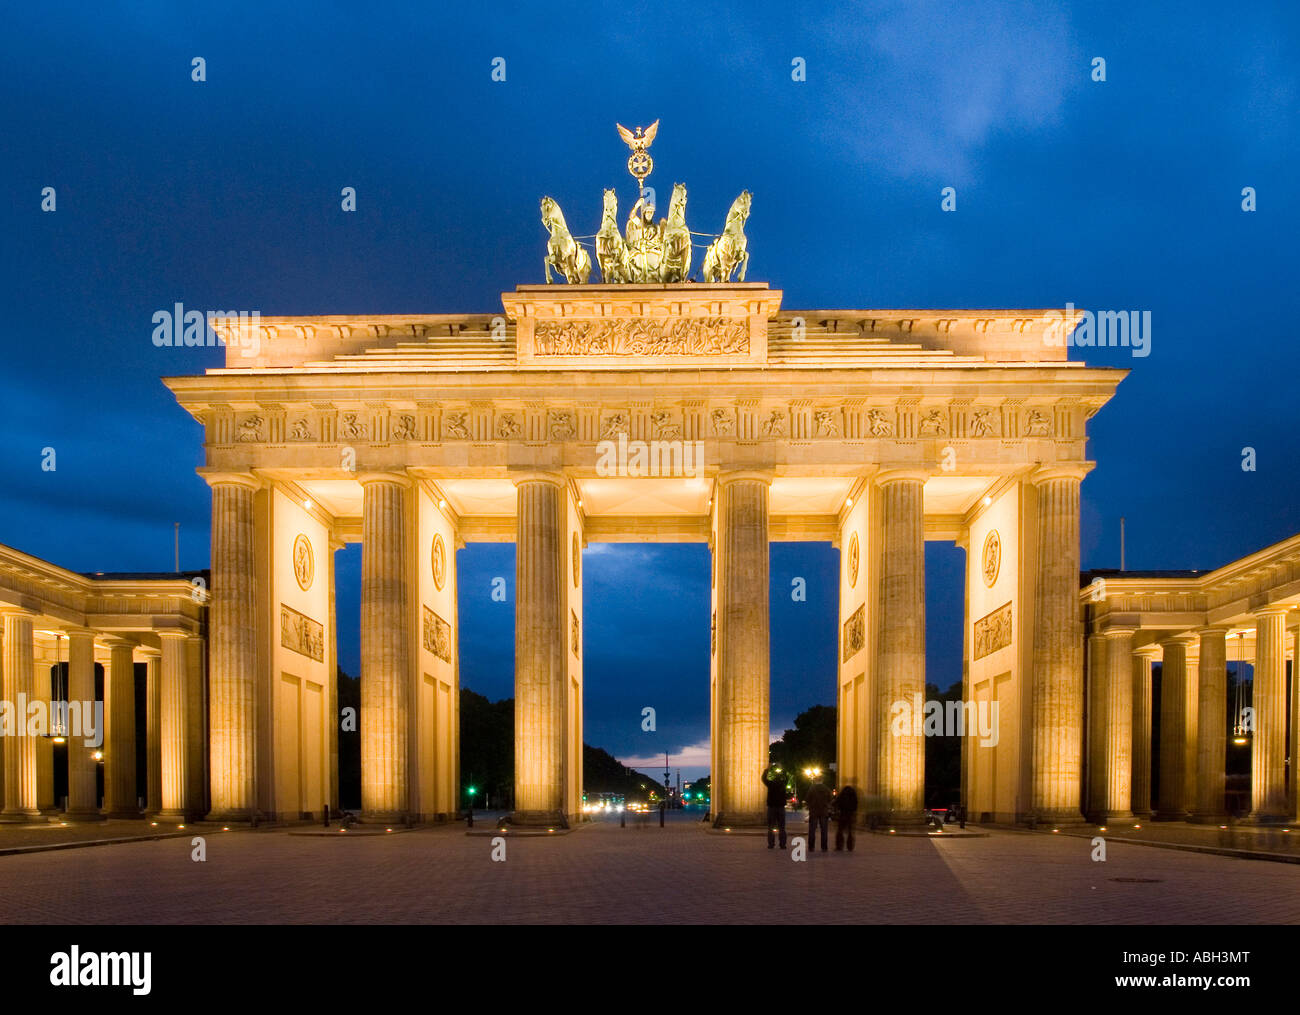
<point>638,875</point>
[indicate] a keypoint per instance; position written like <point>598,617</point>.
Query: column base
<point>1066,817</point>
<point>84,816</point>
<point>124,815</point>
<point>1267,818</point>
<point>743,819</point>
<point>17,817</point>
<point>381,817</point>
<point>547,819</point>
<point>173,815</point>
<point>235,816</point>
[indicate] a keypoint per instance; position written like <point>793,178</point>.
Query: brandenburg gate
<point>872,429</point>
<point>648,407</point>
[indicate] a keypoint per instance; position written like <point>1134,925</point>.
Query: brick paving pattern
<point>604,874</point>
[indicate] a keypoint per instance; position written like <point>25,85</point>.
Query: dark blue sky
<point>1117,195</point>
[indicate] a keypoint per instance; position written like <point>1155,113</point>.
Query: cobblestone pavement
<point>604,874</point>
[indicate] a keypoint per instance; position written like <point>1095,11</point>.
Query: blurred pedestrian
<point>774,780</point>
<point>846,815</point>
<point>819,809</point>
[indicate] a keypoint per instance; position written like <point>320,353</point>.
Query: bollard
<point>469,818</point>
<point>962,815</point>
<point>622,818</point>
<point>325,813</point>
<point>661,814</point>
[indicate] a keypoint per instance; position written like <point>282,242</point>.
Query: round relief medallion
<point>577,559</point>
<point>439,562</point>
<point>304,564</point>
<point>853,560</point>
<point>992,557</point>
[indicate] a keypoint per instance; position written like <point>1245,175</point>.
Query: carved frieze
<point>299,633</point>
<point>993,631</point>
<point>437,635</point>
<point>404,428</point>
<point>455,426</point>
<point>690,336</point>
<point>855,634</point>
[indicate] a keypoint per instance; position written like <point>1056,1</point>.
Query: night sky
<point>1120,195</point>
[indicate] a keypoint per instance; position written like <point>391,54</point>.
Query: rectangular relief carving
<point>993,632</point>
<point>299,633</point>
<point>437,635</point>
<point>855,635</point>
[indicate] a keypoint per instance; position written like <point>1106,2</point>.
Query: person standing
<point>846,814</point>
<point>819,808</point>
<point>774,780</point>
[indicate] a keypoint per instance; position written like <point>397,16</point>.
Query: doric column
<point>153,728</point>
<point>1096,779</point>
<point>1268,750</point>
<point>1117,734</point>
<point>1141,673</point>
<point>196,712</point>
<point>900,656</point>
<point>743,647</point>
<point>1294,782</point>
<point>173,698</point>
<point>385,647</point>
<point>120,798</point>
<point>1211,725</point>
<point>1057,689</point>
<point>83,794</point>
<point>20,761</point>
<point>1172,803</point>
<point>232,648</point>
<point>540,647</point>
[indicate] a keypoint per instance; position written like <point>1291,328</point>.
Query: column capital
<point>149,652</point>
<point>117,641</point>
<point>399,477</point>
<point>221,477</point>
<point>1060,470</point>
<point>1184,638</point>
<point>1118,632</point>
<point>1272,610</point>
<point>887,476</point>
<point>1209,630</point>
<point>172,632</point>
<point>738,475</point>
<point>527,475</point>
<point>19,611</point>
<point>1148,651</point>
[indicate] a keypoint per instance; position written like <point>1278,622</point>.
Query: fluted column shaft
<point>1294,786</point>
<point>1172,803</point>
<point>1268,749</point>
<point>1117,703</point>
<point>900,658</point>
<point>232,652</point>
<point>540,647</point>
<point>1058,640</point>
<point>83,796</point>
<point>173,700</point>
<point>153,729</point>
<point>385,648</point>
<point>1141,676</point>
<point>1211,725</point>
<point>20,761</point>
<point>120,799</point>
<point>744,702</point>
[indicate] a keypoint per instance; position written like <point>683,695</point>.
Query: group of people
<point>821,801</point>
